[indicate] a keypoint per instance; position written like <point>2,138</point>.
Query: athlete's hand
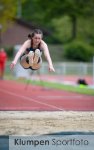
<point>12,66</point>
<point>51,68</point>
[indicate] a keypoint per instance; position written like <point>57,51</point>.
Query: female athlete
<point>31,51</point>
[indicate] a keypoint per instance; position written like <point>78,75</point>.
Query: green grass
<point>77,89</point>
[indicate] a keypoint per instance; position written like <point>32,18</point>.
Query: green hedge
<point>78,51</point>
<point>9,51</point>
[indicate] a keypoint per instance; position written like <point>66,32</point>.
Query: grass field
<point>78,89</point>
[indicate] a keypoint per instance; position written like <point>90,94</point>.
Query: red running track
<point>15,96</point>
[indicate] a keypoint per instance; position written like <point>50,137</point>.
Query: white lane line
<point>60,97</point>
<point>30,99</point>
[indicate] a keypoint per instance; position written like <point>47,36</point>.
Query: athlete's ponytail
<point>29,36</point>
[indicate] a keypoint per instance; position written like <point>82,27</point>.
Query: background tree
<point>32,12</point>
<point>72,8</point>
<point>8,10</point>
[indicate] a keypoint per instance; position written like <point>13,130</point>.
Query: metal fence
<point>69,68</point>
<point>64,69</point>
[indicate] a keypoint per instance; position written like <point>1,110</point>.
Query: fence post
<point>93,70</point>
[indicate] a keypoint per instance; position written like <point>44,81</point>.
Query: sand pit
<point>35,123</point>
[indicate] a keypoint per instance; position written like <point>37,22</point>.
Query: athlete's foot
<point>30,57</point>
<point>37,56</point>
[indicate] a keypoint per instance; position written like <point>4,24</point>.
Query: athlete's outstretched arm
<point>47,56</point>
<point>19,53</point>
